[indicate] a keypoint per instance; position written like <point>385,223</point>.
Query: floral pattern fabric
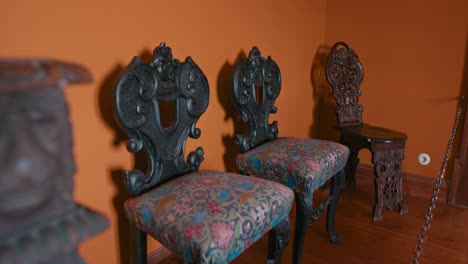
<point>209,216</point>
<point>299,163</point>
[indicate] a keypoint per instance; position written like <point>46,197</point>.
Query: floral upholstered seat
<point>209,216</point>
<point>299,163</point>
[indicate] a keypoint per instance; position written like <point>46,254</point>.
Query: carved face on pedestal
<point>36,160</point>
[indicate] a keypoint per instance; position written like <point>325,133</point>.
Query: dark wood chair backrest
<point>345,74</point>
<point>255,87</point>
<point>143,95</point>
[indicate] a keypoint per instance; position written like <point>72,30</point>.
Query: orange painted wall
<point>105,35</point>
<point>413,53</point>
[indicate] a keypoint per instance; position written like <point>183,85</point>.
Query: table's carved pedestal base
<point>388,181</point>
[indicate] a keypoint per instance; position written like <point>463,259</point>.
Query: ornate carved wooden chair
<point>299,163</point>
<point>202,216</point>
<point>345,74</point>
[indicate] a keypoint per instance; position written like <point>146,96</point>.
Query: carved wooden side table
<point>387,148</point>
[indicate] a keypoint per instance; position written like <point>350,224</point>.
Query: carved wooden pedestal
<point>39,220</point>
<point>387,148</point>
<point>388,179</point>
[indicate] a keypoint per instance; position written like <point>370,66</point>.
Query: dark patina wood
<point>345,73</point>
<point>256,86</point>
<point>142,92</point>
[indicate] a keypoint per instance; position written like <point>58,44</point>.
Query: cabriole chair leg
<point>278,239</point>
<point>338,182</point>
<point>303,220</point>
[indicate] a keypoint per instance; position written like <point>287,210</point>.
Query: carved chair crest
<point>256,85</point>
<point>345,74</point>
<point>140,93</point>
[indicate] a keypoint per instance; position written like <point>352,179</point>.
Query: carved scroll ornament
<point>345,74</point>
<point>139,92</point>
<point>256,73</point>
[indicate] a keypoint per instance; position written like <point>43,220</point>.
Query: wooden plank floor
<point>391,240</point>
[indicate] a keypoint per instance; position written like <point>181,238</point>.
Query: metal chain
<point>425,227</point>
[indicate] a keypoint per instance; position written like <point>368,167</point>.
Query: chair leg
<point>351,166</point>
<point>140,250</point>
<point>303,220</point>
<point>278,239</point>
<point>336,189</point>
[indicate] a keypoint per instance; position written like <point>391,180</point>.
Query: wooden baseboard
<point>414,185</point>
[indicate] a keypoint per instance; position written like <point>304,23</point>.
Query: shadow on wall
<point>224,86</point>
<point>106,109</point>
<point>324,113</point>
